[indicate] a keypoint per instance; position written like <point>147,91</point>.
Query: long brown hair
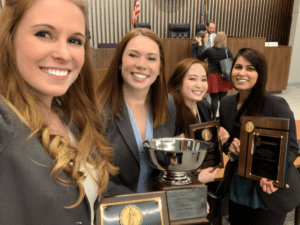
<point>79,103</point>
<point>184,115</point>
<point>254,104</point>
<point>110,90</point>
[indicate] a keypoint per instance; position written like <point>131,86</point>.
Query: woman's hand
<point>208,175</point>
<point>199,40</point>
<point>207,209</point>
<point>223,135</point>
<point>235,146</point>
<point>268,187</point>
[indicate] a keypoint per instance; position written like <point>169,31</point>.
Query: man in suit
<point>210,28</point>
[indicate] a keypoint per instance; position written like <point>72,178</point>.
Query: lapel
<point>232,104</point>
<point>126,131</point>
<point>203,112</point>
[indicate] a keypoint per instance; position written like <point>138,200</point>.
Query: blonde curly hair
<point>79,103</point>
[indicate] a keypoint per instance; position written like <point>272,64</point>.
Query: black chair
<point>179,30</point>
<point>199,27</point>
<point>144,25</point>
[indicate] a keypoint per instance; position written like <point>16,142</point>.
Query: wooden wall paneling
<point>278,61</point>
<point>257,20</point>
<point>235,44</point>
<point>102,57</point>
<point>175,50</point>
<point>110,20</point>
<point>99,75</point>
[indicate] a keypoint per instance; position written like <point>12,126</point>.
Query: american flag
<point>136,11</point>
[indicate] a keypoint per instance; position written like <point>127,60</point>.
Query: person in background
<point>210,28</point>
<point>199,45</point>
<point>54,161</point>
<point>217,88</point>
<point>252,202</point>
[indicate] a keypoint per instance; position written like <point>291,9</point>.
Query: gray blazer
<point>283,200</point>
<point>28,193</point>
<point>126,155</point>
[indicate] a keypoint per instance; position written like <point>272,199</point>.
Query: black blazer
<point>283,200</point>
<point>126,155</point>
<point>197,50</point>
<point>28,193</point>
<point>214,56</point>
<point>204,112</point>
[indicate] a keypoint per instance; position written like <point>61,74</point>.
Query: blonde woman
<point>54,161</point>
<point>217,88</point>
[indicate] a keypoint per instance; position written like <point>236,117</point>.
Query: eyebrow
<point>52,28</point>
<point>151,53</point>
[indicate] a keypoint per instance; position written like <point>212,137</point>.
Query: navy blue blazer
<point>283,200</point>
<point>126,155</point>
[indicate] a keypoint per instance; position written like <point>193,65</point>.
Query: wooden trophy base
<point>186,203</point>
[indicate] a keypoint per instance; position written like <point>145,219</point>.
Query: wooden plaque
<point>134,209</point>
<point>208,132</point>
<point>263,149</point>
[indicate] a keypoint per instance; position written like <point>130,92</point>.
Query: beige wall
<point>294,75</point>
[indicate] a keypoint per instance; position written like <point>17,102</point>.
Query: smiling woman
<point>252,202</point>
<point>188,84</point>
<point>134,94</point>
<point>54,161</point>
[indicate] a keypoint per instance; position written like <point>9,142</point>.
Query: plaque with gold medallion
<point>131,215</point>
<point>263,149</point>
<point>133,209</point>
<point>208,132</point>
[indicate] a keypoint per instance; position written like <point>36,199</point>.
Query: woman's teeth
<point>197,92</point>
<point>59,73</point>
<point>139,76</point>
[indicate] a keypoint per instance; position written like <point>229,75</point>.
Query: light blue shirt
<point>145,168</point>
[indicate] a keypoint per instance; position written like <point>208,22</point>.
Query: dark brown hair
<point>110,92</point>
<point>184,116</point>
<point>254,104</point>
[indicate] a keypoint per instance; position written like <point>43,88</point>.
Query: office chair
<point>144,25</point>
<point>199,27</point>
<point>179,30</point>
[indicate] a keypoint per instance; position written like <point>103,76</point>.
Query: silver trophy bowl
<point>175,158</point>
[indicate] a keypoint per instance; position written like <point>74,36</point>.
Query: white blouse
<point>89,185</point>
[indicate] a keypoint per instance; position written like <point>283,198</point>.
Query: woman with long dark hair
<point>134,94</point>
<point>188,85</point>
<point>252,202</point>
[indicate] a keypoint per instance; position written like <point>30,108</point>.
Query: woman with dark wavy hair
<point>252,202</point>
<point>188,85</point>
<point>55,162</point>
